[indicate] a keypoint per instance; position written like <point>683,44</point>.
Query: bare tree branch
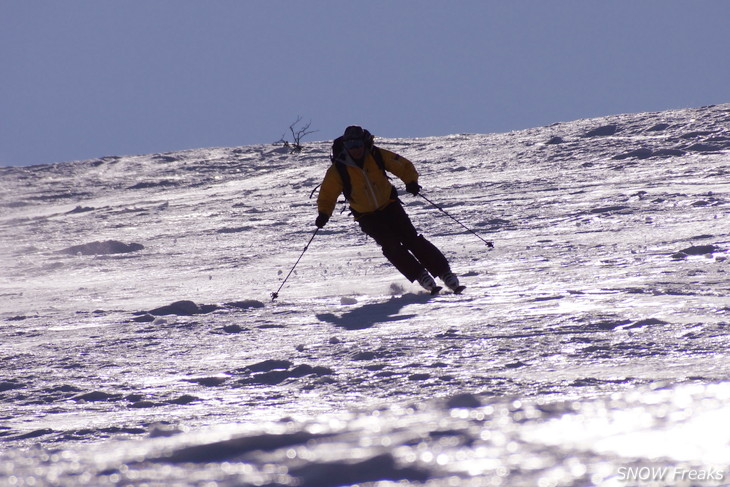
<point>297,134</point>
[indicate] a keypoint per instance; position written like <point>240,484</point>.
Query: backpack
<point>338,147</point>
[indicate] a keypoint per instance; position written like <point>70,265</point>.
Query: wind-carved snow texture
<point>140,345</point>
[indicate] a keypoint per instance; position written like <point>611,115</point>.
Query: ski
<point>437,291</point>
<point>457,290</point>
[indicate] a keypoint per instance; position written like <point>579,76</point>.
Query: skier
<point>358,171</point>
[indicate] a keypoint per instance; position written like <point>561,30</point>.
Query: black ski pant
<point>408,251</point>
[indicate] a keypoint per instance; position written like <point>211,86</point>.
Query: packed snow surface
<point>140,345</point>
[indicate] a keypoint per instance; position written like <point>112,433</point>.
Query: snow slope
<point>589,349</point>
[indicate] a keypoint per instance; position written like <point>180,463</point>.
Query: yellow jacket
<point>371,189</point>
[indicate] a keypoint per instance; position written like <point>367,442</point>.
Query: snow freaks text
<point>708,475</point>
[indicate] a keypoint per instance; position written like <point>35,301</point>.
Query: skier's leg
<point>377,226</point>
<point>427,253</point>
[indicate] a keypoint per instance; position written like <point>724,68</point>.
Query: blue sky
<point>88,78</point>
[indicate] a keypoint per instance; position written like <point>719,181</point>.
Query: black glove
<point>321,220</point>
<point>413,187</point>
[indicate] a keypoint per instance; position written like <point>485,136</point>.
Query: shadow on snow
<point>371,314</point>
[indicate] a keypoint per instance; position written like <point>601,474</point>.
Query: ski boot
<point>427,283</point>
<point>452,282</point>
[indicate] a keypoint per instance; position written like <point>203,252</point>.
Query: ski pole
<point>489,244</point>
<point>275,295</point>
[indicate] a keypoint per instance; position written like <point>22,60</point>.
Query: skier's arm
<point>329,192</point>
<point>400,166</point>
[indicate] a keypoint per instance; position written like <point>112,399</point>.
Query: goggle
<point>353,143</point>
